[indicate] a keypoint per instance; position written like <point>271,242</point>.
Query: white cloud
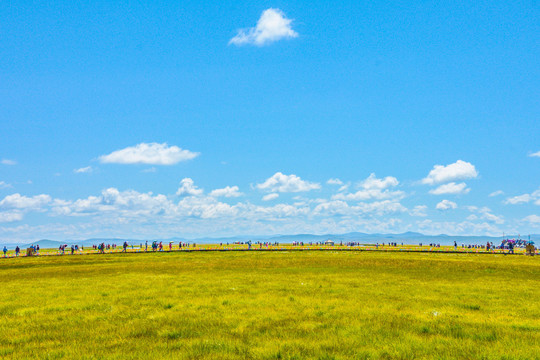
<point>149,170</point>
<point>450,188</point>
<point>419,210</point>
<point>152,154</point>
<point>272,26</point>
<point>520,199</point>
<point>446,205</point>
<point>10,216</point>
<point>344,187</point>
<point>334,182</point>
<point>270,196</point>
<point>339,207</point>
<point>496,193</point>
<point>532,219</point>
<point>373,188</point>
<point>484,213</point>
<point>13,207</point>
<point>372,182</point>
<point>4,185</point>
<point>16,201</point>
<point>228,191</point>
<point>8,162</point>
<point>431,227</point>
<point>188,188</point>
<point>459,170</point>
<point>287,183</point>
<point>536,154</point>
<point>525,198</point>
<point>87,169</point>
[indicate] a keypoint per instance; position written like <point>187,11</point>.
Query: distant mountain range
<point>363,238</point>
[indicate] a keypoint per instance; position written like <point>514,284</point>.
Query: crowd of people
<point>159,246</point>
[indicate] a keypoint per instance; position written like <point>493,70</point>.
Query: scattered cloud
<point>484,213</point>
<point>271,196</point>
<point>373,188</point>
<point>446,205</point>
<point>17,201</point>
<point>532,220</point>
<point>287,183</point>
<point>419,210</point>
<point>459,170</point>
<point>150,154</point>
<point>536,154</point>
<point>87,169</point>
<point>8,162</point>
<point>187,188</point>
<point>450,188</point>
<point>334,182</point>
<point>272,26</point>
<point>524,199</point>
<point>13,207</point>
<point>496,193</point>
<point>340,207</point>
<point>149,170</point>
<point>228,191</point>
<point>372,182</point>
<point>4,185</point>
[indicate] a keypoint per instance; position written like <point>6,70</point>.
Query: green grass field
<point>271,305</point>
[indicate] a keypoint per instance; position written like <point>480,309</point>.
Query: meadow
<point>271,305</point>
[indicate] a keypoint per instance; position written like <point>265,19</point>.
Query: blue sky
<point>157,119</point>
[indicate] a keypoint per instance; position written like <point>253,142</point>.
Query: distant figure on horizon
<point>17,250</point>
<point>125,245</point>
<point>5,251</point>
<point>455,245</point>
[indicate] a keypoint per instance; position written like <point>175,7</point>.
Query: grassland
<point>271,305</point>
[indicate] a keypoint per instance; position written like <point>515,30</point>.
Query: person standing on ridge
<point>5,251</point>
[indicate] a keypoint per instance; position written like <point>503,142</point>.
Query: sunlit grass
<point>271,305</point>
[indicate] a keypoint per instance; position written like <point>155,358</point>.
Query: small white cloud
<point>17,201</point>
<point>419,210</point>
<point>484,213</point>
<point>8,162</point>
<point>372,182</point>
<point>188,188</point>
<point>532,219</point>
<point>451,188</point>
<point>87,169</point>
<point>446,205</point>
<point>496,193</point>
<point>10,216</point>
<point>271,196</point>
<point>150,154</point>
<point>344,187</point>
<point>520,199</point>
<point>228,191</point>
<point>272,26</point>
<point>373,188</point>
<point>536,154</point>
<point>459,170</point>
<point>287,183</point>
<point>4,185</point>
<point>334,182</point>
<point>149,170</point>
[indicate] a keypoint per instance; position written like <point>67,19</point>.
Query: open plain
<point>271,305</point>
